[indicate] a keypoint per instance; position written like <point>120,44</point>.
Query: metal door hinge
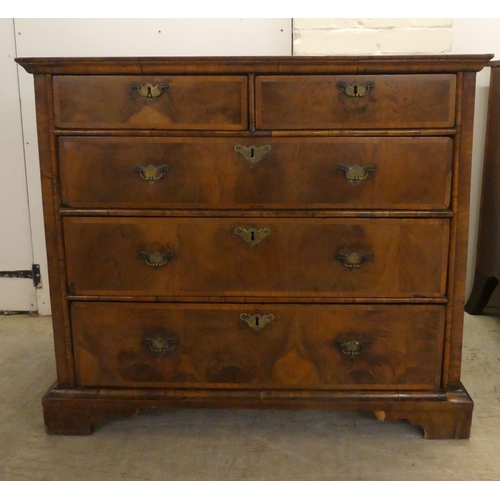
<point>33,274</point>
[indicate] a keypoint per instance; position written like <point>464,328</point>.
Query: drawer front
<point>170,102</point>
<point>362,173</point>
<point>355,101</point>
<point>344,347</point>
<point>256,257</point>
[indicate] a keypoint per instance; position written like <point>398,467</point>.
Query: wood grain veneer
<point>382,178</point>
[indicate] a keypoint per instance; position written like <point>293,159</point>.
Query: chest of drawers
<point>257,233</point>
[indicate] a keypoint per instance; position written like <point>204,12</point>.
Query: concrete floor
<point>239,445</point>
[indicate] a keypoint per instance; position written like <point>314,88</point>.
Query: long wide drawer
<point>151,102</point>
<point>355,101</point>
<point>370,173</point>
<point>256,257</point>
<point>315,346</point>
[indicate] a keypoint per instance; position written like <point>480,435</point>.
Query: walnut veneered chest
<point>257,233</point>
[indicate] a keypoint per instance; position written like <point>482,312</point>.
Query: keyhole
<point>252,152</point>
<point>256,321</point>
<point>150,94</point>
<point>356,90</point>
<point>252,235</point>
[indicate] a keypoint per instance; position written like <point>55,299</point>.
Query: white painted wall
<point>152,37</point>
<point>16,294</point>
<point>346,36</point>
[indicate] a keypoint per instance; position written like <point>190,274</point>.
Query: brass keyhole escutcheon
<point>149,91</point>
<point>253,154</point>
<point>252,236</point>
<point>357,173</point>
<point>356,90</point>
<point>257,321</point>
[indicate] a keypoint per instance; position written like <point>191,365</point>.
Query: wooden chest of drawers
<point>257,233</point>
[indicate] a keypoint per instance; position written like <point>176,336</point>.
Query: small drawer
<point>299,346</point>
<point>238,173</point>
<point>355,101</point>
<point>151,102</point>
<point>292,257</point>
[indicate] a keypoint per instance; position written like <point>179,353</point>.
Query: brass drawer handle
<point>159,345</point>
<point>157,259</point>
<point>355,90</point>
<point>149,91</point>
<point>257,321</point>
<point>252,236</point>
<point>151,173</point>
<point>252,153</point>
<point>352,347</point>
<point>357,173</point>
<point>354,260</point>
